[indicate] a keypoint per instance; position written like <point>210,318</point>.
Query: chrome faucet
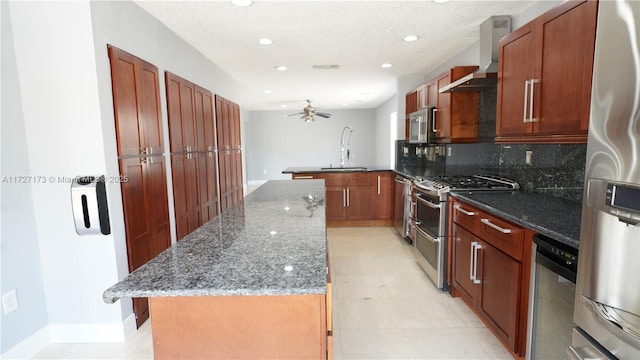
<point>344,148</point>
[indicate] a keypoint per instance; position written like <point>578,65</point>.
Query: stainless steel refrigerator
<point>607,302</point>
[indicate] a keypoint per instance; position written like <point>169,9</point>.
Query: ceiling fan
<point>309,113</point>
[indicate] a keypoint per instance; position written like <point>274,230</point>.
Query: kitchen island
<point>250,283</point>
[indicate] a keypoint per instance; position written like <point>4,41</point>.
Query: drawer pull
<point>469,213</point>
<point>502,230</point>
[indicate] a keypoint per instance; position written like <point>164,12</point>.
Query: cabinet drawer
<point>359,179</point>
<point>466,216</point>
<point>302,176</point>
<point>504,235</point>
<point>332,180</point>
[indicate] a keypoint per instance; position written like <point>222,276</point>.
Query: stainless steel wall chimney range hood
<point>491,31</point>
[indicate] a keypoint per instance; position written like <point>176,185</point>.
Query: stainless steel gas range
<point>431,216</point>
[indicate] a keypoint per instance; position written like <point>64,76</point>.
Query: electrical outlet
<point>10,301</point>
<point>264,171</point>
<point>448,151</point>
<point>528,156</point>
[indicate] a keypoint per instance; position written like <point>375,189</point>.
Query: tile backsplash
<point>555,169</point>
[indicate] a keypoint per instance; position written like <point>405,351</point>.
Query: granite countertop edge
<point>562,225</point>
<point>235,253</point>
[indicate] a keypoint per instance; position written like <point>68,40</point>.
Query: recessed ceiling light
<point>242,2</point>
<point>281,68</point>
<point>411,37</point>
<point>386,65</point>
<point>283,105</point>
<point>265,41</point>
<point>441,1</point>
<point>267,91</point>
<point>345,104</point>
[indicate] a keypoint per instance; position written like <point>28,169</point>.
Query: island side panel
<point>239,327</point>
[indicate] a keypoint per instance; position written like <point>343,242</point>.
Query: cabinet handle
<point>524,104</point>
<point>433,121</point>
<point>348,197</point>
<point>502,230</point>
<point>378,184</point>
<point>344,197</point>
<point>531,118</point>
<point>475,263</point>
<point>469,213</point>
<point>472,275</point>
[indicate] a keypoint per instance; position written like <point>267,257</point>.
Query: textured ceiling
<point>358,36</point>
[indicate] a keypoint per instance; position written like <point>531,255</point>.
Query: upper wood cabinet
<point>456,115</point>
<point>544,77</point>
<point>136,103</point>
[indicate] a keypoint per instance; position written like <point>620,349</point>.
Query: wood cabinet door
<point>462,240</point>
<point>144,198</point>
<point>442,119</point>
<point>432,94</point>
<point>208,186</point>
<point>335,203</point>
<point>500,276</point>
<point>384,204</point>
<point>236,175</point>
<point>360,202</point>
<point>184,169</point>
<point>181,110</point>
<point>136,102</point>
<point>517,65</point>
<point>568,41</point>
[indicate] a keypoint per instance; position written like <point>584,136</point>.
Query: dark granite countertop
<point>337,168</point>
<point>267,245</point>
<point>554,217</point>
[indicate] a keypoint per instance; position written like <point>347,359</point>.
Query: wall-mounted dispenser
<point>89,203</point>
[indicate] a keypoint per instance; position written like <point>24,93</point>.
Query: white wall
<point>20,256</point>
<point>278,142</point>
<point>57,86</point>
<point>383,139</point>
<point>60,123</point>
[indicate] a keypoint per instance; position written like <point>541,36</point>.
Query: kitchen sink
<point>345,168</point>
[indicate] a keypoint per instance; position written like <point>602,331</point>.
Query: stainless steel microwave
<point>422,126</point>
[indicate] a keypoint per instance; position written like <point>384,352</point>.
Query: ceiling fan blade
<point>324,115</point>
<point>295,114</point>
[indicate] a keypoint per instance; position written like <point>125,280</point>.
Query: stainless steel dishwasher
<point>401,213</point>
<point>552,296</point>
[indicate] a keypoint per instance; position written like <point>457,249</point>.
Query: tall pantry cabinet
<point>230,152</point>
<point>136,102</point>
<point>193,153</point>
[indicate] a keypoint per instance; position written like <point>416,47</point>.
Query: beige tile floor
<point>384,307</point>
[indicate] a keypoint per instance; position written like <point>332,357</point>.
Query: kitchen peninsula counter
<point>251,282</point>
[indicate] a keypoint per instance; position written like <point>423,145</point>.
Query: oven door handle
<point>429,237</point>
<point>428,203</point>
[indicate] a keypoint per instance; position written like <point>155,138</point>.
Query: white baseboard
<point>93,333</point>
<point>29,347</point>
<point>256,182</point>
<point>71,333</point>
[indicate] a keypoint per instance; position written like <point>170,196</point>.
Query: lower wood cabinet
<point>240,327</point>
<point>356,198</point>
<point>491,262</point>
